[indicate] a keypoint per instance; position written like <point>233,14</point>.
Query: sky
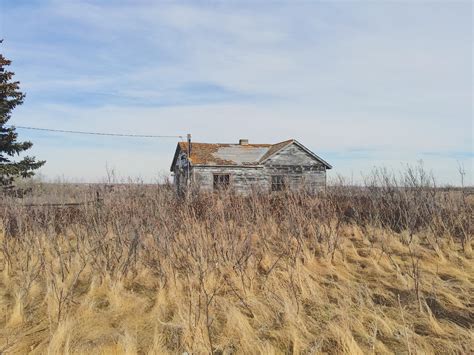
<point>363,84</point>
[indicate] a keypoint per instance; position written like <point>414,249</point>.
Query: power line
<point>97,133</point>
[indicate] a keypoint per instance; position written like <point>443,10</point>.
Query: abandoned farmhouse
<point>244,166</point>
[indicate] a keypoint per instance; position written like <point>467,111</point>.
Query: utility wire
<point>96,133</point>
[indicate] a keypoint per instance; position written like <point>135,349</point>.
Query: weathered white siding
<point>300,168</point>
<point>242,179</point>
<point>312,178</point>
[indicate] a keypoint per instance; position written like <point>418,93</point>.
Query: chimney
<point>243,142</point>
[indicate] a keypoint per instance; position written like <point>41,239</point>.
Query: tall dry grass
<point>380,268</point>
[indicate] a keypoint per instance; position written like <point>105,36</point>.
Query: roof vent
<point>243,142</point>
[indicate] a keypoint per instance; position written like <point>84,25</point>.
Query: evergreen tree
<point>10,97</point>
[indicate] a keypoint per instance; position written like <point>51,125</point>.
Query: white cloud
<point>391,78</point>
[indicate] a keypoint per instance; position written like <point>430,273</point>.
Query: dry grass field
<point>383,268</point>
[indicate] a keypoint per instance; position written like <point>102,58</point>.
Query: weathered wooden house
<point>244,166</point>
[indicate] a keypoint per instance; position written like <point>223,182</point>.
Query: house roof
<point>234,154</point>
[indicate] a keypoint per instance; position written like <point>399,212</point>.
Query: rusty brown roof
<point>215,153</point>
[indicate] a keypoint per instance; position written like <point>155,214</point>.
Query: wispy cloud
<point>366,82</point>
<point>448,154</point>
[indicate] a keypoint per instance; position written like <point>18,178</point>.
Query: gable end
<point>287,145</point>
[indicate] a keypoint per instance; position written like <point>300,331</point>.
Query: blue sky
<point>362,84</point>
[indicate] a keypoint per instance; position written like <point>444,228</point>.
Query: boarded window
<point>278,183</point>
<point>221,181</point>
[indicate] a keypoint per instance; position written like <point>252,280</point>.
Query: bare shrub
<point>222,272</point>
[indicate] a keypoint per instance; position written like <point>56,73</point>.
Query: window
<point>278,183</point>
<point>221,181</point>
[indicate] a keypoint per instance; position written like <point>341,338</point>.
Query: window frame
<point>220,181</point>
<point>278,183</point>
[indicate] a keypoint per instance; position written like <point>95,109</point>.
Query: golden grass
<point>227,284</point>
<point>349,305</point>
